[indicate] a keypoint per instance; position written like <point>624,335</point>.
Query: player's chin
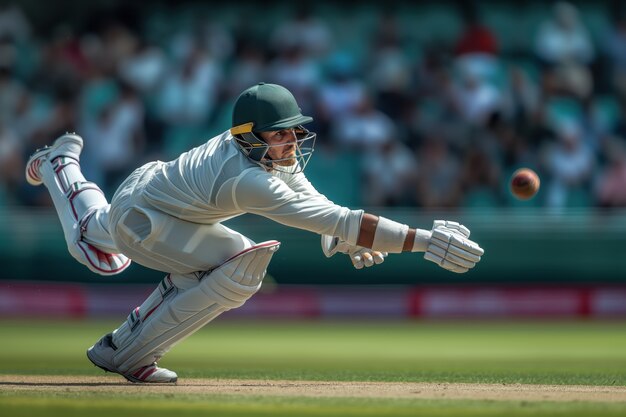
<point>286,162</point>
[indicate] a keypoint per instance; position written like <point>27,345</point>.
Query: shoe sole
<point>94,359</point>
<point>139,381</point>
<point>39,153</point>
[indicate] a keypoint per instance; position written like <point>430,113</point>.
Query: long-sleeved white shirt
<point>215,182</point>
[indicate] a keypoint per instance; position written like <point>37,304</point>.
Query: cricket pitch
<point>406,390</point>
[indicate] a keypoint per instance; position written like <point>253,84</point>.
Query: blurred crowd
<point>427,122</point>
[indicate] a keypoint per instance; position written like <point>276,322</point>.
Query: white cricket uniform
<point>167,215</point>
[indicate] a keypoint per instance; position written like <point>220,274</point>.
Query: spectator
<point>30,115</point>
<point>188,95</point>
<point>610,189</point>
<point>145,68</point>
<point>119,43</point>
<point>619,129</point>
<point>341,92</point>
<point>507,146</point>
<point>480,176</point>
<point>563,38</point>
<point>564,45</point>
<point>297,72</point>
<point>389,67</point>
<point>594,129</point>
<point>13,23</point>
<point>569,162</point>
<point>304,31</point>
<point>11,159</point>
<point>11,94</point>
<point>248,68</point>
<point>476,50</point>
<point>522,98</point>
<point>116,139</point>
<point>366,128</point>
<point>614,43</point>
<point>475,99</point>
<point>438,175</point>
<point>63,66</point>
<point>218,41</point>
<point>390,171</point>
<point>62,117</point>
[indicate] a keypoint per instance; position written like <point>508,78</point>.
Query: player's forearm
<point>367,230</point>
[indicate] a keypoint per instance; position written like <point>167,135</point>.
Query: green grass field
<point>563,353</point>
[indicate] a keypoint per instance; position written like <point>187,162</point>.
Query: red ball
<point>524,183</point>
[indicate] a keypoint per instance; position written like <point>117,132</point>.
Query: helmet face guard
<point>268,108</point>
<point>257,150</point>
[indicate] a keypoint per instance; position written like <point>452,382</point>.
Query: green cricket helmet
<point>269,107</point>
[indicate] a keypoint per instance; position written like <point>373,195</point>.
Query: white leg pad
<point>95,230</point>
<point>182,304</point>
<point>83,212</point>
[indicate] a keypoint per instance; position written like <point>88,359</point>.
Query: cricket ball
<point>524,183</point>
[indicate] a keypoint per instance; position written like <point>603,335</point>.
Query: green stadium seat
<point>432,23</point>
<point>562,109</point>
<point>606,111</point>
<point>481,198</point>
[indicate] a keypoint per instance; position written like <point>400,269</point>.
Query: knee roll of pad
<point>240,277</point>
<point>227,292</point>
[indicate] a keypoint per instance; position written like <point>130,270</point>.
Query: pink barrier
<point>34,299</point>
<point>500,302</point>
<point>42,299</point>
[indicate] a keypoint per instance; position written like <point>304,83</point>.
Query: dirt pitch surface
<point>501,392</point>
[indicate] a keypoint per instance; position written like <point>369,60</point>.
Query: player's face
<point>282,146</point>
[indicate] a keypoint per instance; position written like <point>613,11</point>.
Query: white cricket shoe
<point>101,355</point>
<point>69,145</point>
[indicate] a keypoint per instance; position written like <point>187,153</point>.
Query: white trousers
<point>159,241</point>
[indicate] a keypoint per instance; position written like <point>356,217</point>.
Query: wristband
<point>422,239</point>
<point>389,236</point>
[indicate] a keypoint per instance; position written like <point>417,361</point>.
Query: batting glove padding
<point>360,256</point>
<point>450,248</point>
<point>452,226</point>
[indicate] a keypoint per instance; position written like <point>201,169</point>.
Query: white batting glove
<point>360,256</point>
<point>450,248</point>
<point>452,226</point>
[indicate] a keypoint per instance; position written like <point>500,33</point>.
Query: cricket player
<point>167,216</point>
